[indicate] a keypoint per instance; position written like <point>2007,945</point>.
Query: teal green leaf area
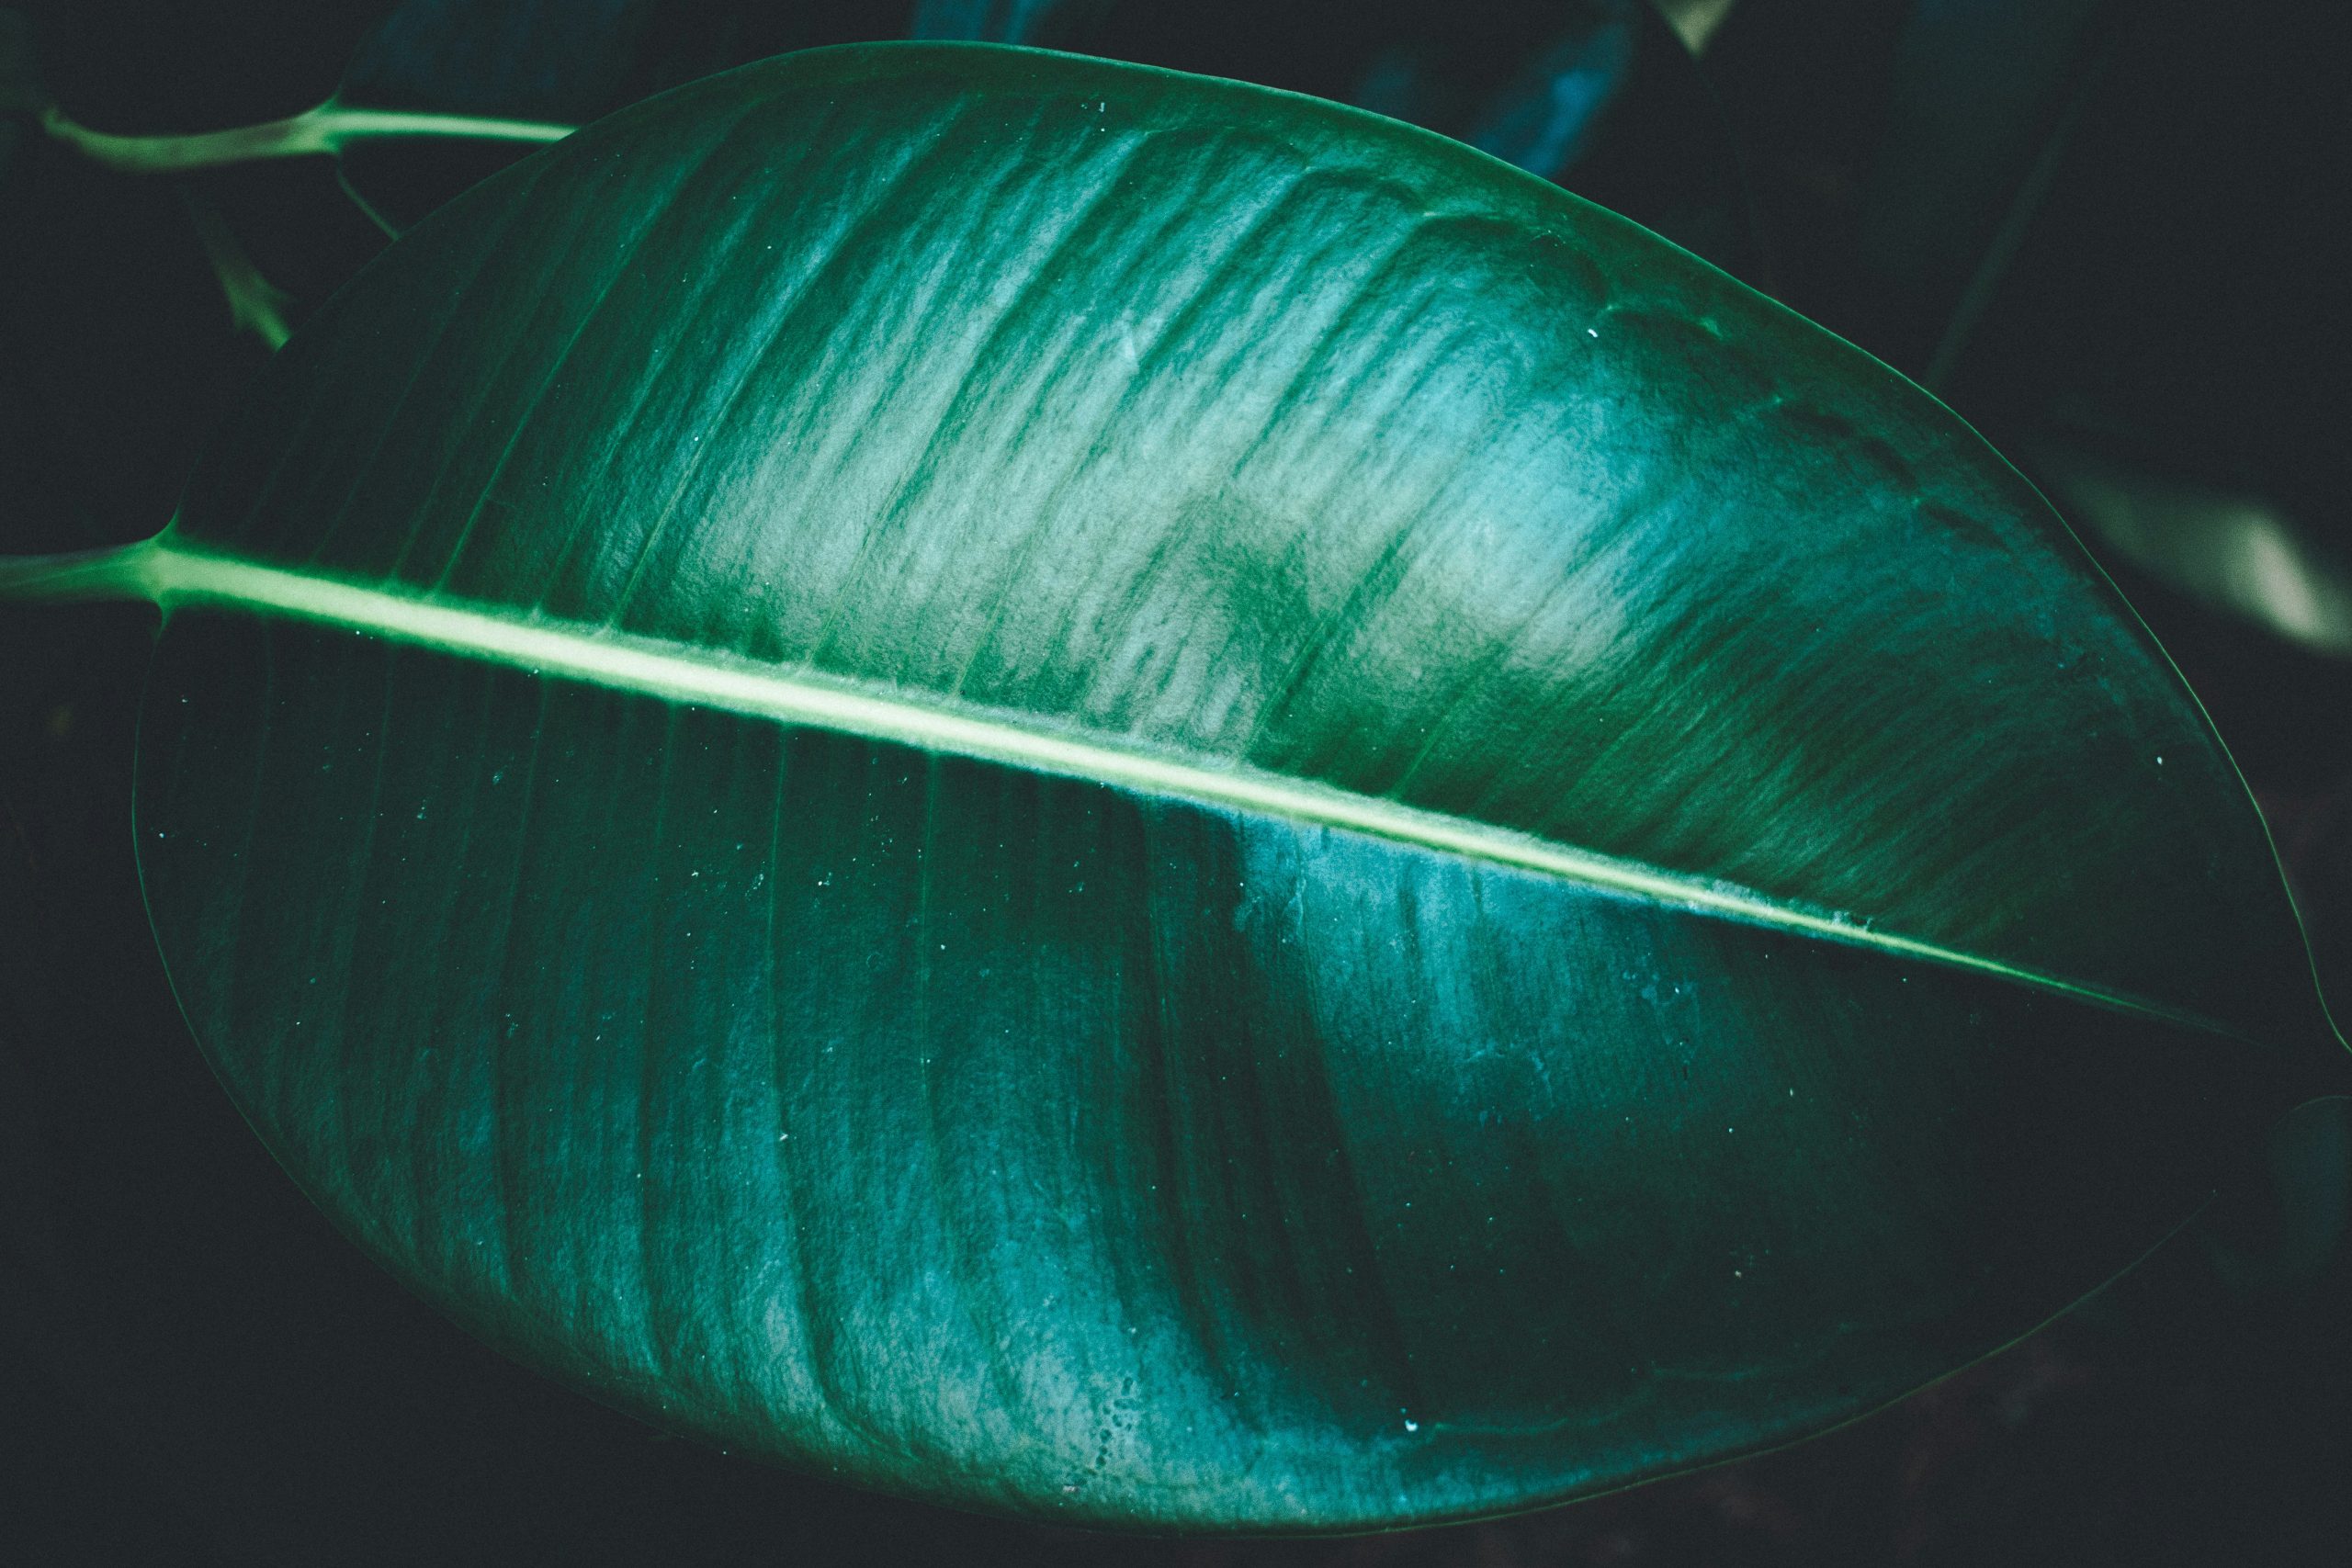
<point>1093,793</point>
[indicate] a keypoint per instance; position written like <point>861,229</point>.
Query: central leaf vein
<point>172,575</point>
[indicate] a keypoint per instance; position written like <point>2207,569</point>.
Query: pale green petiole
<point>255,304</point>
<point>169,574</point>
<point>324,131</point>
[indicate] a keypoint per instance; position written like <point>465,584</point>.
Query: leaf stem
<point>255,304</point>
<point>390,230</point>
<point>115,572</point>
<point>2016,222</point>
<point>324,131</point>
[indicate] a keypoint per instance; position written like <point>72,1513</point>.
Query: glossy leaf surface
<point>1090,792</point>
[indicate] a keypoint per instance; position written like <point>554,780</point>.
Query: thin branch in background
<point>255,304</point>
<point>2016,223</point>
<point>368,209</point>
<point>324,131</point>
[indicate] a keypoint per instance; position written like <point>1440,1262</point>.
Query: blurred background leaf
<point>2175,305</point>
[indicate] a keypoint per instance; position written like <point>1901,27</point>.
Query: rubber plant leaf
<point>1095,793</point>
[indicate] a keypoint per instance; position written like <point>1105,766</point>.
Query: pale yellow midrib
<point>171,574</point>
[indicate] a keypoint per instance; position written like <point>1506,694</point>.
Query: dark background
<point>194,1368</point>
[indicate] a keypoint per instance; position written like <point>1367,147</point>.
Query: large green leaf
<point>1087,791</point>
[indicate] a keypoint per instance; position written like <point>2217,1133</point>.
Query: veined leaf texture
<point>1084,791</point>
